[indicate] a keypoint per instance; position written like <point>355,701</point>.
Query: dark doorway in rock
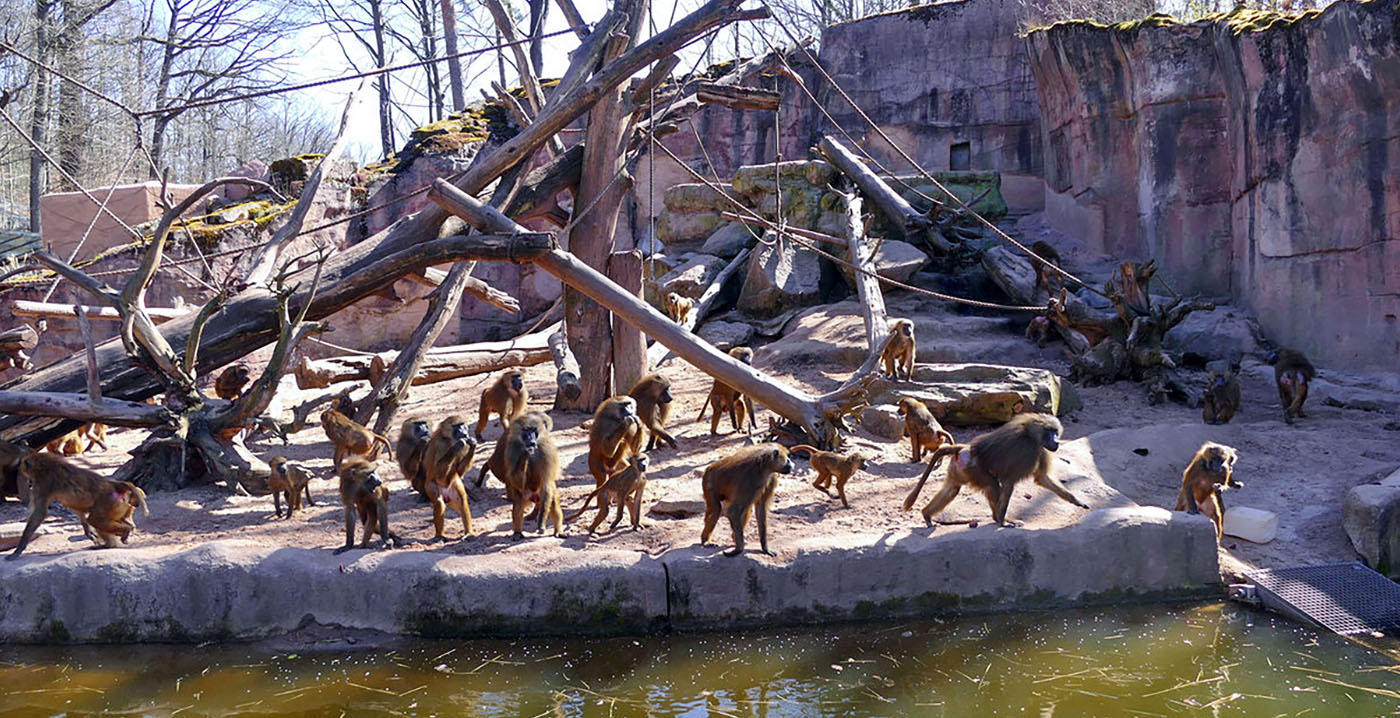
<point>960,156</point>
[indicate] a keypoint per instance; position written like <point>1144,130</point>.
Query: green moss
<point>56,632</point>
<point>1239,21</point>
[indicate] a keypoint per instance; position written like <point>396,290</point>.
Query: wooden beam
<point>737,97</point>
<point>79,408</point>
<point>909,220</point>
<point>51,310</point>
<point>629,347</point>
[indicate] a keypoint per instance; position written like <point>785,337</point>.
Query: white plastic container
<point>1253,525</point>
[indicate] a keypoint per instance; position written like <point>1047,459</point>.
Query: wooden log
<point>629,347</point>
<point>53,310</point>
<point>737,97</point>
<point>446,363</point>
<point>566,367</point>
<point>321,373</point>
<point>903,214</point>
<point>537,196</point>
<point>764,225</point>
<point>79,407</point>
<point>704,306</point>
<point>872,302</point>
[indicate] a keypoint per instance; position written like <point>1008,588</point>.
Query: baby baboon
<point>653,395</point>
<point>527,462</point>
<point>993,462</point>
<point>107,503</point>
<point>363,494</point>
<point>923,430</point>
<point>616,434</point>
<point>678,307</point>
<point>506,396</point>
<point>413,441</point>
<point>829,465</point>
<point>739,483</point>
<point>1222,396</point>
<point>1292,372</point>
<point>899,352</point>
<point>446,460</point>
<point>231,381</point>
<point>724,397</point>
<point>291,480</point>
<point>630,482</point>
<point>72,443</point>
<point>10,455</point>
<point>350,437</point>
<point>1210,472</point>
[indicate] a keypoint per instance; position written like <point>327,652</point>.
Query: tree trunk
<point>539,10</point>
<point>454,64</point>
<point>566,369</point>
<point>872,302</point>
<point>39,119</point>
<point>900,212</point>
<point>386,117</point>
<point>629,347</point>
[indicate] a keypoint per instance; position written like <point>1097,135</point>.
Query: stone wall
<point>1253,155</point>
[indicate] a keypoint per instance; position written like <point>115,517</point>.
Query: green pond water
<point>1121,661</point>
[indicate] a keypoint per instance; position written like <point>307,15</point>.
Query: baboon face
<point>460,434</point>
<point>864,463</point>
<point>420,430</point>
<point>665,397</point>
<point>778,455</point>
<point>1217,380</point>
<point>1049,433</point>
<point>906,328</point>
<point>371,480</point>
<point>642,461</point>
<point>517,381</point>
<point>1218,458</point>
<point>242,372</point>
<point>278,465</point>
<point>743,354</point>
<point>906,405</point>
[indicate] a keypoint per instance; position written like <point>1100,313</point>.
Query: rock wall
<point>1255,155</point>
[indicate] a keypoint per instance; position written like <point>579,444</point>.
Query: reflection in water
<point>1130,661</point>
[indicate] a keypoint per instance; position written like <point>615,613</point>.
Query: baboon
<point>923,430</point>
<point>993,462</point>
<point>291,480</point>
<point>413,441</point>
<point>344,404</point>
<point>678,307</point>
<point>630,482</point>
<point>1292,372</point>
<point>1046,278</point>
<point>506,396</point>
<point>231,381</point>
<point>350,437</point>
<point>725,398</point>
<point>526,460</point>
<point>362,493</point>
<point>71,444</point>
<point>446,460</point>
<point>653,395</point>
<point>107,503</point>
<point>1210,472</point>
<point>737,484</point>
<point>899,351</point>
<point>10,485</point>
<point>829,465</point>
<point>1222,396</point>
<point>616,434</point>
<point>1038,330</point>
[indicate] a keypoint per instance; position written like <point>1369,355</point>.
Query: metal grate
<point>1347,598</point>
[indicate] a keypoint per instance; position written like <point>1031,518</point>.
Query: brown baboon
<point>526,460</point>
<point>10,485</point>
<point>344,404</point>
<point>923,430</point>
<point>653,395</point>
<point>1046,278</point>
<point>899,351</point>
<point>506,396</point>
<point>72,443</point>
<point>724,397</point>
<point>446,460</point>
<point>1210,472</point>
<point>678,307</point>
<point>350,437</point>
<point>291,480</point>
<point>231,381</point>
<point>413,441</point>
<point>993,462</point>
<point>362,493</point>
<point>736,485</point>
<point>616,434</point>
<point>1222,396</point>
<point>1038,330</point>
<point>1292,372</point>
<point>108,503</point>
<point>829,465</point>
<point>629,483</point>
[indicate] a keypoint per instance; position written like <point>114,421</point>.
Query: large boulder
<point>968,394</point>
<point>884,421</point>
<point>1221,333</point>
<point>1371,517</point>
<point>895,260</point>
<point>691,278</point>
<point>780,276</point>
<point>726,335</point>
<point>730,239</point>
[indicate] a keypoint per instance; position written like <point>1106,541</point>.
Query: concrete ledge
<point>217,591</point>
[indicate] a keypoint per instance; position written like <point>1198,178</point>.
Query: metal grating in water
<point>1347,598</point>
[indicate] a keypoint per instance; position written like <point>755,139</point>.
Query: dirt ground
<point>1121,452</point>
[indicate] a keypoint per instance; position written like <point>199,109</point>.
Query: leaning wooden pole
<point>908,219</point>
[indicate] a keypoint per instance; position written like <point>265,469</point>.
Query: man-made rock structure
<point>1252,154</point>
<point>1371,516</point>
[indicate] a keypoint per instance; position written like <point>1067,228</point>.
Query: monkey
<point>1292,372</point>
<point>344,404</point>
<point>1038,330</point>
<point>994,462</point>
<point>923,430</point>
<point>446,460</point>
<point>678,307</point>
<point>899,349</point>
<point>107,503</point>
<point>506,396</point>
<point>413,441</point>
<point>1222,396</point>
<point>724,397</point>
<point>526,460</point>
<point>10,485</point>
<point>362,493</point>
<point>630,482</point>
<point>71,444</point>
<point>291,480</point>
<point>653,395</point>
<point>829,465</point>
<point>231,381</point>
<point>1045,278</point>
<point>350,437</point>
<point>616,434</point>
<point>1210,472</point>
<point>737,484</point>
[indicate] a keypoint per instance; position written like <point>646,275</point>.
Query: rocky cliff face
<point>1254,154</point>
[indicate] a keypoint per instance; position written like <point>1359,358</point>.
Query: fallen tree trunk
<point>52,310</point>
<point>445,363</point>
<point>903,214</point>
<point>872,301</point>
<point>737,97</point>
<point>566,367</point>
<point>81,407</point>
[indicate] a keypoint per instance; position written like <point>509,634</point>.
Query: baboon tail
<point>140,498</point>
<point>946,437</point>
<point>933,463</point>
<point>379,439</point>
<point>586,502</point>
<point>703,407</point>
<point>811,450</point>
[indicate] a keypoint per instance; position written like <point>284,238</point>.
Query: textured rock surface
<point>726,335</point>
<point>727,241</point>
<point>693,276</point>
<point>883,420</point>
<point>781,276</point>
<point>1371,517</point>
<point>1238,142</point>
<point>894,260</point>
<point>1221,333</point>
<point>974,394</point>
